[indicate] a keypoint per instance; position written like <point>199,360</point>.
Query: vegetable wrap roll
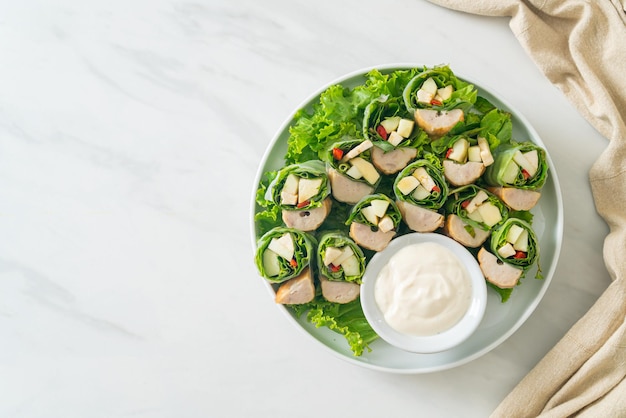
<point>477,207</point>
<point>515,243</point>
<point>440,89</point>
<point>472,213</point>
<point>422,184</point>
<point>420,191</point>
<point>374,221</point>
<point>341,265</point>
<point>393,132</point>
<point>339,258</point>
<point>519,165</point>
<point>302,191</point>
<point>284,253</point>
<point>350,170</point>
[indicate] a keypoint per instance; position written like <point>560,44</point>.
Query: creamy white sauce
<point>424,289</point>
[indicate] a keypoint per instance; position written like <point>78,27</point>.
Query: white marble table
<point>130,134</point>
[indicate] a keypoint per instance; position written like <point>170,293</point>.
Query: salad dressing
<point>423,290</point>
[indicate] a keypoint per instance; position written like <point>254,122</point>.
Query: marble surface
<point>130,134</point>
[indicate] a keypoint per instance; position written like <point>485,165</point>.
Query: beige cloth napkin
<point>580,45</point>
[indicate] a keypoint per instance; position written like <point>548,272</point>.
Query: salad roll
<point>302,191</point>
<point>515,243</point>
<point>374,221</point>
<point>350,170</point>
<point>392,131</point>
<point>518,165</point>
<point>465,159</point>
<point>438,100</point>
<point>473,213</point>
<point>341,267</point>
<point>421,191</point>
<point>284,253</point>
<point>440,89</point>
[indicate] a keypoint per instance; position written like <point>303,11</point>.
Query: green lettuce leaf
<point>345,319</point>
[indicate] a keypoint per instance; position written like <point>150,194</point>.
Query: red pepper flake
<point>465,203</point>
<point>337,154</point>
<point>293,263</point>
<point>303,204</point>
<point>526,174</point>
<point>520,254</point>
<point>448,152</point>
<point>436,189</point>
<point>435,102</point>
<point>382,132</point>
<point>334,268</point>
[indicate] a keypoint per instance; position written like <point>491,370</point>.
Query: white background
<point>130,135</point>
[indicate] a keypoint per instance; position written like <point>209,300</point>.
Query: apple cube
<point>514,233</point>
<point>271,263</point>
<point>380,207</point>
<point>420,193</point>
<point>283,246</point>
<point>532,157</point>
<point>485,152</point>
<point>476,201</point>
<point>475,216</point>
<point>367,169</point>
<point>331,254</point>
<point>490,213</point>
<point>391,123</point>
<point>386,224</point>
<point>459,150</point>
<point>405,127</point>
<point>288,198</point>
<point>519,158</point>
<point>346,252</point>
<point>368,213</point>
<point>424,97</point>
<point>395,138</point>
<point>521,244</point>
<point>307,188</point>
<point>291,184</point>
<point>424,178</point>
<point>430,86</point>
<point>445,92</point>
<point>473,154</point>
<point>407,184</point>
<point>354,172</point>
<point>510,173</point>
<point>354,152</point>
<point>350,266</point>
<point>506,250</point>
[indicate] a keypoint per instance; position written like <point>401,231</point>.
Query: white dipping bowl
<point>445,340</point>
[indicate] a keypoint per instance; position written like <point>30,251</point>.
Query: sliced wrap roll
<point>520,165</point>
<point>283,253</point>
<point>302,192</point>
<point>515,243</point>
<point>462,96</point>
<point>421,192</point>
<point>313,172</point>
<point>350,170</point>
<point>339,258</point>
<point>467,202</point>
<point>374,221</point>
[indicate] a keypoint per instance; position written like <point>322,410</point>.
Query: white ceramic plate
<point>500,320</point>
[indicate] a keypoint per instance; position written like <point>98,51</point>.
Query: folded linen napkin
<point>580,45</point>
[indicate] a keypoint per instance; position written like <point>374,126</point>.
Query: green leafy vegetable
<point>346,319</point>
